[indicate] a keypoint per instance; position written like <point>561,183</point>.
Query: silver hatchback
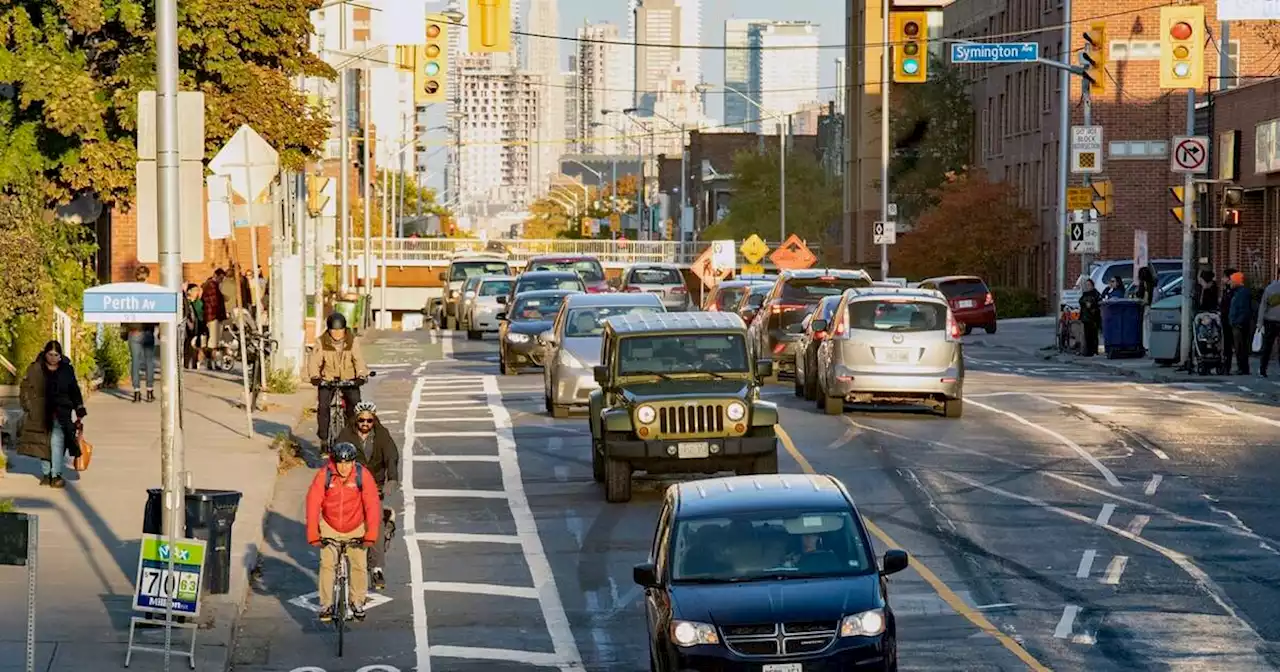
<point>889,345</point>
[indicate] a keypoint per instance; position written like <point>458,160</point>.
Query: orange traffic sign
<point>793,254</point>
<point>705,268</point>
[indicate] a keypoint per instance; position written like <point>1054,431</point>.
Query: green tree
<point>929,145</point>
<point>814,201</point>
<point>76,69</point>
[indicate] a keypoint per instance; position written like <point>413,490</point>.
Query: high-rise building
<point>501,108</point>
<point>784,67</point>
<point>737,71</point>
<point>604,76</point>
<point>544,62</point>
<point>657,22</point>
<point>572,107</point>
<point>690,34</point>
<point>841,83</point>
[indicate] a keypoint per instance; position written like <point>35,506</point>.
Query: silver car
<point>891,345</point>
<point>663,280</point>
<point>572,345</point>
<point>464,301</point>
<point>480,316</point>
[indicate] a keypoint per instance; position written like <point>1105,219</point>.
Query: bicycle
<point>338,406</point>
<point>341,589</point>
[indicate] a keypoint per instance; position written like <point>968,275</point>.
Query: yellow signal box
<point>1182,38</point>
<point>431,67</point>
<point>1095,57</point>
<point>1102,197</point>
<point>910,35</point>
<point>1178,211</point>
<point>489,26</point>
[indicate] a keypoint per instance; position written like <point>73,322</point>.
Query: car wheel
<point>799,391</point>
<point>597,462</point>
<point>832,405</point>
<point>617,481</point>
<point>473,335</point>
<point>968,330</point>
<point>811,381</point>
<point>953,408</point>
<point>990,328</point>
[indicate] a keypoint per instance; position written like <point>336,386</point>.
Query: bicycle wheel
<point>340,607</point>
<point>336,420</point>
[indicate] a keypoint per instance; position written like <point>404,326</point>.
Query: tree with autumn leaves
<point>550,219</point>
<point>975,227</point>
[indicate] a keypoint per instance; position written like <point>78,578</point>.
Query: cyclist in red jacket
<point>343,504</point>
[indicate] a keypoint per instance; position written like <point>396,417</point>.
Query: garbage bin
<point>210,514</point>
<point>1166,332</point>
<point>1122,328</point>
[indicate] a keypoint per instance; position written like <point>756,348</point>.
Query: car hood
<point>531,327</point>
<point>585,349</point>
<point>782,601</point>
<point>674,389</point>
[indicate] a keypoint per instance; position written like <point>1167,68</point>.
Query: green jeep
<point>679,394</point>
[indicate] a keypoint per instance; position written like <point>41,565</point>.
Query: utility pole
<point>1086,99</point>
<point>384,317</point>
<point>344,159</point>
<point>1189,242</point>
<point>782,178</point>
<point>366,186</point>
<point>684,182</point>
<point>1064,157</point>
<point>884,132</point>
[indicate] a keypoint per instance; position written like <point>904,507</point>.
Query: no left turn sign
<point>1190,154</point>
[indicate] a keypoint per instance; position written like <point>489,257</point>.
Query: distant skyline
<point>829,14</point>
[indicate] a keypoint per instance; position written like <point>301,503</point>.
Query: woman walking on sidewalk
<point>50,396</point>
<point>142,349</point>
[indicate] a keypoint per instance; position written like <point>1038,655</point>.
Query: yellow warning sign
<point>752,269</point>
<point>1079,198</point>
<point>753,249</point>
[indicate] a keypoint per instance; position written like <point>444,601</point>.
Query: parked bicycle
<point>342,611</point>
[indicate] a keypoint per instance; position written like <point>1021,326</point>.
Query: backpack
<point>328,478</point>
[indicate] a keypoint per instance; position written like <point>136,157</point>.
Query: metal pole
<point>1064,156</point>
<point>317,251</point>
<point>344,158</point>
<point>170,256</point>
<point>1188,243</point>
<point>1086,99</point>
<point>782,180</point>
<point>400,183</point>
<point>684,181</point>
<point>367,187</point>
<point>386,215</point>
<point>884,132</point>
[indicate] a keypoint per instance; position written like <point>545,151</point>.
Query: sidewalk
<point>89,532</point>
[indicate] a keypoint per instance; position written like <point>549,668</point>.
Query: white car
<point>483,309</point>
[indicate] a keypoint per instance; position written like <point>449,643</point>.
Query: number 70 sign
<point>158,588</point>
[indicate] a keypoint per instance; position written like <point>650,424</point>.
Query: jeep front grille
<point>691,420</point>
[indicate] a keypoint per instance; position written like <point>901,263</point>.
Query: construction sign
<point>753,249</point>
<point>705,268</point>
<point>793,254</point>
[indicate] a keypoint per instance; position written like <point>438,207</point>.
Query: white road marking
<point>460,494</point>
<point>421,643</point>
<point>451,393</point>
<point>455,458</point>
<point>507,655</point>
<point>1105,516</point>
<point>1086,564</point>
<point>460,404</point>
<point>1136,525</point>
<point>562,473</point>
<point>1114,569</point>
<point>459,435</point>
<point>456,419</point>
<point>1152,485</point>
<point>380,367</point>
<point>480,589</point>
<point>1093,461</point>
<point>465,538</point>
<point>1159,453</point>
<point>446,345</point>
<point>1067,621</point>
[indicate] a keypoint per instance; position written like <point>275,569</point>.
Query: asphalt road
<point>1070,520</point>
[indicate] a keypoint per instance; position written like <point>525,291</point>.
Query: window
<point>469,269</point>
<point>495,288</point>
<point>538,308</point>
<point>1233,64</point>
<point>728,297</point>
<point>765,545</point>
<point>671,354</point>
<point>589,269</point>
<point>1134,50</point>
<point>1138,149</point>
<point>812,290</point>
<point>588,322</point>
<point>897,316</point>
<point>552,282</point>
<point>655,276</point>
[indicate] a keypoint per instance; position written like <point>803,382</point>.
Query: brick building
<point>1016,116</point>
<point>711,165</point>
<point>1245,127</point>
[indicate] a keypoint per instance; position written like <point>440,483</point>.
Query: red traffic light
<point>1181,31</point>
<point>911,29</point>
<point>433,30</point>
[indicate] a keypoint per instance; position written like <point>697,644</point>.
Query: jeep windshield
<point>462,270</point>
<point>768,545</point>
<point>668,354</point>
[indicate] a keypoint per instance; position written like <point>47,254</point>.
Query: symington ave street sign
<point>1008,52</point>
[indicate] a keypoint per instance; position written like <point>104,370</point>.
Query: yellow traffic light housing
<point>910,35</point>
<point>431,67</point>
<point>1094,58</point>
<point>1178,211</point>
<point>1182,38</point>
<point>489,26</point>
<point>1102,197</point>
<point>316,200</point>
<point>585,228</point>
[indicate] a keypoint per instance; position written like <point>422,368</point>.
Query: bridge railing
<point>609,252</point>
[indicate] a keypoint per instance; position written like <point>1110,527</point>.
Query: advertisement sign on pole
<point>156,589</point>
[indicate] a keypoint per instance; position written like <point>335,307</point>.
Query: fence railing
<point>607,251</point>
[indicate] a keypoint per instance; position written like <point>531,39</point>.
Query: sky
<point>828,13</point>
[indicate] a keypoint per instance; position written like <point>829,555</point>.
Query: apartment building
<point>737,71</point>
<point>657,22</point>
<point>784,69</point>
<point>604,81</point>
<point>499,128</point>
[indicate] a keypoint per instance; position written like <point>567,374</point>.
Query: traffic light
<point>585,228</point>
<point>1182,37</point>
<point>489,26</point>
<point>1094,58</point>
<point>1179,195</point>
<point>431,65</point>
<point>1231,197</point>
<point>910,35</point>
<point>316,200</point>
<point>1102,197</point>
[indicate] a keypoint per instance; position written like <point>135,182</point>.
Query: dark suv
<point>776,328</point>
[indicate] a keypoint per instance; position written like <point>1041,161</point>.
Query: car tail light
<point>782,307</point>
<point>953,327</point>
<point>819,335</point>
<point>779,348</point>
<point>679,290</point>
<point>839,328</point>
<point>632,290</point>
<point>990,299</point>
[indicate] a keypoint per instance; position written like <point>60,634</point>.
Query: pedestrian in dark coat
<point>1228,337</point>
<point>53,407</point>
<point>1240,316</point>
<point>1090,318</point>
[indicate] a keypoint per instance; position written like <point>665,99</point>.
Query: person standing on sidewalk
<point>215,311</point>
<point>1090,318</point>
<point>193,325</point>
<point>50,396</point>
<point>1241,312</point>
<point>343,504</point>
<point>142,349</point>
<point>1269,321</point>
<point>1146,294</point>
<point>377,451</point>
<point>1115,288</point>
<point>1224,313</point>
<point>1207,299</point>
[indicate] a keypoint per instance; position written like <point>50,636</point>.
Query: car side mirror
<point>502,316</point>
<point>818,325</point>
<point>894,561</point>
<point>443,276</point>
<point>764,368</point>
<point>645,575</point>
<point>796,328</point>
<point>502,300</point>
<point>600,373</point>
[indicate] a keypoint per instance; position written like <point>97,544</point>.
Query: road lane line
<point>459,404</point>
<point>408,518</point>
<point>446,345</point>
<point>1136,525</point>
<point>534,658</point>
<point>480,589</point>
<point>1152,485</point>
<point>460,494</point>
<point>465,538</point>
<point>942,589</point>
<point>457,435</point>
<point>1114,569</point>
<point>455,458</point>
<point>489,419</point>
<point>1084,454</point>
<point>1105,516</point>
<point>1067,622</point>
<point>1086,564</point>
<point>452,393</point>
<point>566,649</point>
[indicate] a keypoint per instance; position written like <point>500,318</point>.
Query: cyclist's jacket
<point>332,359</point>
<point>378,453</point>
<point>344,503</point>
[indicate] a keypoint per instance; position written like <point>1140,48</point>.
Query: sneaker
<point>379,579</point>
<point>326,614</point>
<point>46,480</point>
<point>57,482</point>
<point>357,612</point>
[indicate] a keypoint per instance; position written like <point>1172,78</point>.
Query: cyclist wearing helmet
<point>377,451</point>
<point>336,356</point>
<point>343,504</point>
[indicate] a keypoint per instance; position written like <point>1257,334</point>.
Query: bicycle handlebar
<point>346,383</point>
<point>341,543</point>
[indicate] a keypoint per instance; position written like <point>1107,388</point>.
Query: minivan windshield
<point>533,284</point>
<point>897,316</point>
<point>461,270</point>
<point>587,322</point>
<point>589,269</point>
<point>682,353</point>
<point>765,545</point>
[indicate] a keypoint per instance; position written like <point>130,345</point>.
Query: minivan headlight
<point>736,411</point>
<point>866,624</point>
<point>689,633</point>
<point>646,414</point>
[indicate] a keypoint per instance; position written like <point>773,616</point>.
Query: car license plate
<point>894,355</point>
<point>784,667</point>
<point>967,303</point>
<point>693,451</point>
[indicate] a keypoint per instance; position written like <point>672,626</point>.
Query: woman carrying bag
<point>54,408</point>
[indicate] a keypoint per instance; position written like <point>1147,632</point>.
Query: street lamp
<point>684,167</point>
<point>782,153</point>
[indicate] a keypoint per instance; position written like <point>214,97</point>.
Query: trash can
<point>1166,332</point>
<point>1122,328</point>
<point>210,514</point>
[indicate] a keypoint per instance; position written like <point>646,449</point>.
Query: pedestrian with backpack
<point>343,504</point>
<point>377,452</point>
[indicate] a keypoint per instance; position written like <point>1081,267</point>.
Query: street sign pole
<point>1064,154</point>
<point>884,134</point>
<point>1188,246</point>
<point>1086,96</point>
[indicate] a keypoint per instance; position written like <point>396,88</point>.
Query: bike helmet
<point>336,321</point>
<point>366,407</point>
<point>344,452</point>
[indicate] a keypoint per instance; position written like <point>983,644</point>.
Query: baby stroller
<point>1207,344</point>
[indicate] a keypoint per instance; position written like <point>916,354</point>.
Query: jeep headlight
<point>736,411</point>
<point>646,414</point>
<point>688,633</point>
<point>866,624</point>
